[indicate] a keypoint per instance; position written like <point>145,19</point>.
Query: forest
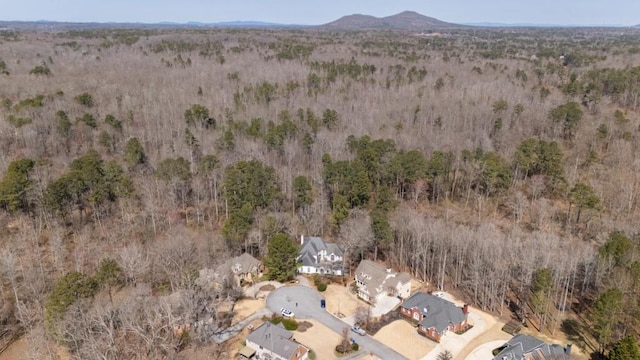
<point>502,164</point>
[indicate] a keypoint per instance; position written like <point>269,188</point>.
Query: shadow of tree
<point>575,334</point>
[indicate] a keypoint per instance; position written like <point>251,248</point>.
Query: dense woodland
<point>501,164</point>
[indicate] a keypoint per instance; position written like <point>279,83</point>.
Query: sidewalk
<point>226,334</point>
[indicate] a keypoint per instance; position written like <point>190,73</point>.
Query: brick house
<point>435,316</point>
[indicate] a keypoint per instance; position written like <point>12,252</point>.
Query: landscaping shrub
<point>355,347</point>
<point>320,284</point>
<point>290,324</point>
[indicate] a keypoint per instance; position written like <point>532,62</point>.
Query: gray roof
<point>244,263</point>
<point>401,278</point>
<point>274,338</point>
<point>373,275</point>
<point>312,245</point>
<point>438,313</point>
<point>523,346</point>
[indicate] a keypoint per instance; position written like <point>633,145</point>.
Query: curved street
<point>304,302</point>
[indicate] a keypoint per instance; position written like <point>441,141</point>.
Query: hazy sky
<point>315,12</point>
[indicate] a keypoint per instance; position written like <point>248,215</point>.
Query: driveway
<point>485,351</point>
<point>455,343</point>
<point>384,305</point>
<point>253,291</point>
<point>305,304</point>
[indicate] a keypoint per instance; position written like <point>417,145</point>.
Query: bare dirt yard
<point>319,338</point>
<point>403,338</point>
<point>22,349</point>
<point>341,300</point>
<point>246,307</point>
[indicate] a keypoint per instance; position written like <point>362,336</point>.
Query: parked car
<point>323,303</point>
<point>358,330</point>
<point>439,294</point>
<point>286,313</point>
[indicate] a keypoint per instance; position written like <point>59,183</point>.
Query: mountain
<point>407,20</point>
<point>250,24</point>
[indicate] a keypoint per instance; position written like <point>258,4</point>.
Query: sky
<point>316,12</point>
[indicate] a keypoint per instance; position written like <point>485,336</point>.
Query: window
<point>416,315</point>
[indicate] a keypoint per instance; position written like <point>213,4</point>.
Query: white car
<point>358,330</point>
<point>439,294</point>
<point>286,313</point>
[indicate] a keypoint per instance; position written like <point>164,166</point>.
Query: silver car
<point>358,330</point>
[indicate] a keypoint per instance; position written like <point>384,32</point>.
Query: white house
<point>374,282</point>
<point>320,257</point>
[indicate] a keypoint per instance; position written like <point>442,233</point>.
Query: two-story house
<point>320,257</point>
<point>374,282</point>
<point>245,268</point>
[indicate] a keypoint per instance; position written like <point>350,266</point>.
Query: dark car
<point>323,303</point>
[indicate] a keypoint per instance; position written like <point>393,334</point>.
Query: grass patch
<point>289,324</point>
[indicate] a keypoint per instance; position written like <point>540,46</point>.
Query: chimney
<point>567,350</point>
<point>301,239</point>
<point>465,309</point>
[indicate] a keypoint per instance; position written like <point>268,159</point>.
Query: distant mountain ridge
<point>60,25</point>
<point>406,20</point>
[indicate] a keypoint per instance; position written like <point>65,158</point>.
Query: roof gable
<point>437,312</point>
<point>312,245</point>
<point>524,346</point>
<point>243,264</point>
<point>274,338</point>
<point>370,273</point>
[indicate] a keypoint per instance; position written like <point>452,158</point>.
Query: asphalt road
<point>305,304</point>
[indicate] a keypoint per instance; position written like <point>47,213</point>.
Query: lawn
<point>403,338</point>
<point>318,338</point>
<point>341,300</point>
